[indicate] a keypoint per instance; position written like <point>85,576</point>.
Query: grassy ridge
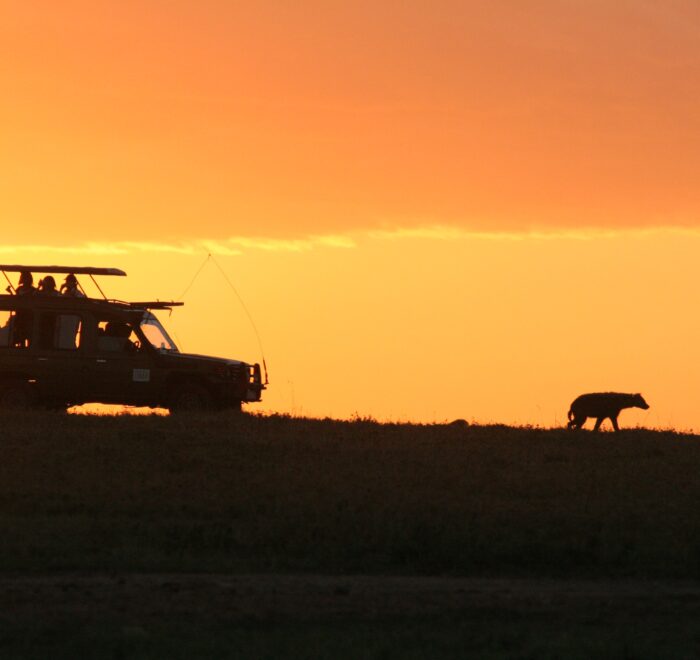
<point>255,494</point>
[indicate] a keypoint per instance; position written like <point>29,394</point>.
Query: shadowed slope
<point>258,494</point>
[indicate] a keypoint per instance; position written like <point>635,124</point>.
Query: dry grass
<point>243,493</point>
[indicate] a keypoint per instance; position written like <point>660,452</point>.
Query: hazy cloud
<point>99,248</point>
<point>227,247</point>
<point>451,233</point>
<point>237,245</point>
<point>283,245</point>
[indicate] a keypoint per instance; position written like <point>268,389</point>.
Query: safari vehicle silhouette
<point>58,351</point>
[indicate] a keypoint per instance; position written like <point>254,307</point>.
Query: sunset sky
<point>431,209</point>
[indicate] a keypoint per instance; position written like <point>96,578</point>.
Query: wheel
<point>190,398</point>
<point>234,406</point>
<point>15,396</point>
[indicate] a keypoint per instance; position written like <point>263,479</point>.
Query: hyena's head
<point>639,402</point>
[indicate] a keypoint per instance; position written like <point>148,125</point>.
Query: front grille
<point>235,372</point>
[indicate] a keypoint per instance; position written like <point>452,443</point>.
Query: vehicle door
<point>59,355</point>
<point>123,367</point>
<point>17,358</point>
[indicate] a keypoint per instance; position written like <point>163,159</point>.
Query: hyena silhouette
<point>601,405</point>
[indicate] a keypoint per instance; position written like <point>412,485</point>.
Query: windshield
<point>156,334</point>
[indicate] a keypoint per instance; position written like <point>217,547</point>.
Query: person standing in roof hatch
<point>70,287</point>
<point>24,318</point>
<point>26,284</point>
<point>47,286</point>
<point>47,320</point>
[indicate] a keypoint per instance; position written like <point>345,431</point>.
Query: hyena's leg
<point>598,422</point>
<point>613,419</point>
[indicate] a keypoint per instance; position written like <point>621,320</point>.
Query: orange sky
<point>483,208</point>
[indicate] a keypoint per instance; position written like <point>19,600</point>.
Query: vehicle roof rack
<point>158,304</point>
<point>77,270</point>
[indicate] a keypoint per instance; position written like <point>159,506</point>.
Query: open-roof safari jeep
<point>63,349</point>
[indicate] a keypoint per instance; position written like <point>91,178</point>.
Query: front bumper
<point>255,385</point>
<point>248,379</point>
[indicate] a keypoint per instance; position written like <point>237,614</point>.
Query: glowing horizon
<point>520,328</point>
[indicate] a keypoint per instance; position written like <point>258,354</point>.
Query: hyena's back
<point>600,404</point>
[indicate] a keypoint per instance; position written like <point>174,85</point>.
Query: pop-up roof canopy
<point>78,270</point>
<point>67,270</point>
<point>87,270</point>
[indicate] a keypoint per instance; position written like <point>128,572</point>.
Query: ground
<point>271,537</point>
<point>346,616</point>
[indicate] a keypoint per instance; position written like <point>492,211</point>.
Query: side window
<point>68,332</point>
<point>60,332</point>
<point>116,337</point>
<point>16,328</point>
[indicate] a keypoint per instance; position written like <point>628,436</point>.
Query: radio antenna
<point>248,314</point>
<point>196,275</point>
<point>210,257</point>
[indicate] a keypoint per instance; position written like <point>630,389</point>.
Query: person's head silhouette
<point>47,285</point>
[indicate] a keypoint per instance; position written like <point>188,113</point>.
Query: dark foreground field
<point>247,536</point>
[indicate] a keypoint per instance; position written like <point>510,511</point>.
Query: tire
<point>190,398</point>
<point>15,396</point>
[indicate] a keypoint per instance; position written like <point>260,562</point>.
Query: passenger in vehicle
<point>26,284</point>
<point>123,331</point>
<point>70,287</point>
<point>47,286</point>
<point>116,338</point>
